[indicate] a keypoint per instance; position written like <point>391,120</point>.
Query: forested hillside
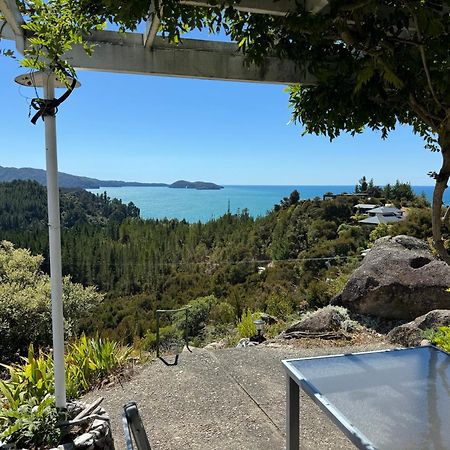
<point>295,257</point>
<point>23,206</point>
<point>66,180</point>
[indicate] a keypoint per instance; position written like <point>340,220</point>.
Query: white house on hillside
<point>380,214</point>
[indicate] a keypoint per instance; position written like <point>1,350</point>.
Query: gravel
<point>230,399</point>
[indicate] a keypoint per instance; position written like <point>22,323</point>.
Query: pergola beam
<point>279,8</point>
<point>124,53</point>
<point>269,7</point>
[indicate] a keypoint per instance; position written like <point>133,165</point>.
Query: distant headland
<point>73,181</point>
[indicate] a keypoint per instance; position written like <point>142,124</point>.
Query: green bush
<point>439,337</point>
<point>271,331</point>
<point>317,294</point>
<point>31,423</point>
<point>246,328</point>
<point>28,414</point>
<point>33,379</point>
<point>222,314</point>
<point>381,230</point>
<point>88,361</point>
<point>25,302</point>
<point>278,306</point>
<point>197,315</point>
<point>169,336</point>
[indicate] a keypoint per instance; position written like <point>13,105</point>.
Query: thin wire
<point>31,73</point>
<point>224,263</point>
<point>26,97</point>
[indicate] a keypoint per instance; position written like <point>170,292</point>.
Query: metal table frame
<point>296,380</point>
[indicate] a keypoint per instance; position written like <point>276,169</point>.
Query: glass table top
<point>399,399</point>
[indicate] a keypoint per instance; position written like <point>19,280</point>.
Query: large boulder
<point>411,334</point>
<point>398,279</point>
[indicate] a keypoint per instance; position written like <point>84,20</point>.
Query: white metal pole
<point>54,232</point>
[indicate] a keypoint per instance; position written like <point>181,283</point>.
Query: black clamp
<point>49,107</point>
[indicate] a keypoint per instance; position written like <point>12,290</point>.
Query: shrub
<point>440,337</point>
<point>279,306</point>
<point>169,336</point>
<point>25,302</point>
<point>197,316</point>
<point>28,415</point>
<point>222,314</point>
<point>33,379</point>
<point>246,328</point>
<point>87,360</point>
<point>31,423</point>
<point>339,279</point>
<point>381,230</point>
<point>317,294</point>
<point>271,331</point>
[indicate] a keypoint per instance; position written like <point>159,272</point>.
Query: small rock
<point>268,319</point>
<point>411,333</point>
<point>245,342</point>
<point>216,345</point>
<point>68,446</point>
<point>85,440</point>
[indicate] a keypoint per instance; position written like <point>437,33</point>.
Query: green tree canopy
<point>25,304</point>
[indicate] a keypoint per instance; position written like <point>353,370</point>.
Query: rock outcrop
<point>411,333</point>
<point>398,279</point>
<point>323,320</point>
<point>330,322</point>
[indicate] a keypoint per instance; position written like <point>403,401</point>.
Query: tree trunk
<point>439,189</point>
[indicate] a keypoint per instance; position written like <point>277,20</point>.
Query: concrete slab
<point>230,399</point>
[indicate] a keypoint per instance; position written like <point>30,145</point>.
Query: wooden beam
<point>124,53</point>
<point>11,13</point>
<point>269,7</point>
<point>279,8</point>
<point>317,6</point>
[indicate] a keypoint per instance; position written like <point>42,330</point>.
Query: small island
<point>199,185</point>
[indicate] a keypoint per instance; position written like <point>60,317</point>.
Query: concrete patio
<point>230,399</point>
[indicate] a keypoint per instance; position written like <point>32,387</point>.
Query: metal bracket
<point>186,337</point>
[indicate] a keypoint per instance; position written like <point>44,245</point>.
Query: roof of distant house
<point>365,206</point>
<point>386,210</point>
<point>379,218</point>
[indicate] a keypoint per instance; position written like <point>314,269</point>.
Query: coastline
<point>195,205</point>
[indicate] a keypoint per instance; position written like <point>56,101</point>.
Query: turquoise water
<point>193,205</point>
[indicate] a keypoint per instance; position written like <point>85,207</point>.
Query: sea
<point>200,206</point>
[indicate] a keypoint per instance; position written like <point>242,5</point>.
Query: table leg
<point>292,415</point>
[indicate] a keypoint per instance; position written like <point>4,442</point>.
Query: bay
<point>197,205</point>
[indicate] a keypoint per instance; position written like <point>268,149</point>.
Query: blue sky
<point>155,129</point>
